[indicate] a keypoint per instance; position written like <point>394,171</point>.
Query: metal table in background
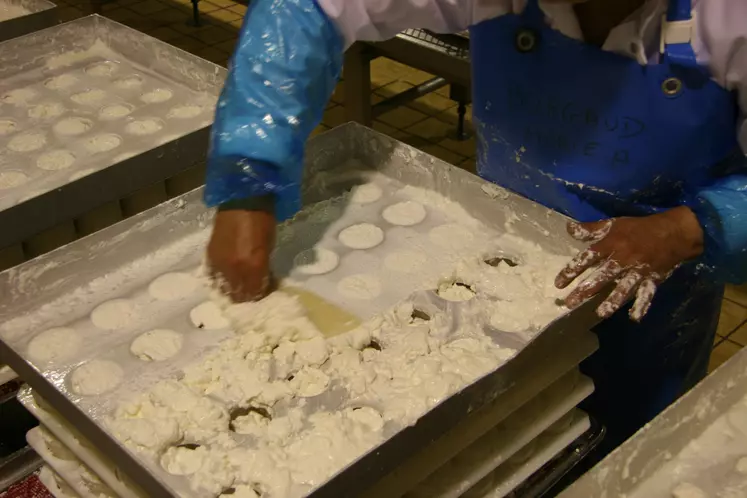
<point>155,159</point>
<point>445,56</point>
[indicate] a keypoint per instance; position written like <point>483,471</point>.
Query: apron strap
<point>679,10</point>
<point>533,13</point>
<point>677,32</point>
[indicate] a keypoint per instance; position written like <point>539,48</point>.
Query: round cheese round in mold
<point>12,179</point>
<point>55,160</point>
<point>96,377</point>
<point>101,69</point>
<point>157,345</point>
<point>19,96</point>
<point>361,236</point>
<point>72,126</point>
<point>186,111</point>
<point>208,316</point>
<point>114,314</point>
<point>182,461</point>
<point>406,213</point>
<point>54,345</point>
<point>7,126</point>
<point>89,97</point>
<point>173,286</point>
<point>129,82</point>
<point>115,111</point>
<point>316,261</point>
<point>46,111</point>
<point>61,82</point>
<point>144,126</point>
<point>363,286</point>
<point>366,193</point>
<point>27,142</point>
<point>157,96</point>
<point>103,143</point>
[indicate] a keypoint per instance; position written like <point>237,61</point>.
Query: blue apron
<point>594,135</point>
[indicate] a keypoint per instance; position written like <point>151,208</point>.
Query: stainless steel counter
<point>25,16</point>
<point>652,453</point>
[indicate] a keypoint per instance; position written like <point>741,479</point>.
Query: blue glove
<point>722,211</point>
<point>285,67</point>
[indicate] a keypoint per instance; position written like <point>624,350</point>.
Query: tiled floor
<point>427,123</point>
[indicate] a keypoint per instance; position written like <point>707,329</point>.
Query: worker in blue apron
<point>645,156</point>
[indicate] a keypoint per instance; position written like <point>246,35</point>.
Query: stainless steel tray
<point>85,91</point>
<point>651,452</point>
<point>65,285</point>
<point>20,17</point>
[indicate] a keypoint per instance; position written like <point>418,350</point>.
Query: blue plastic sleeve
<point>283,71</point>
<point>722,211</point>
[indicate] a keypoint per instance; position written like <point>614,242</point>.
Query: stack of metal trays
<point>20,17</point>
<point>62,288</point>
<point>509,453</point>
<point>91,111</point>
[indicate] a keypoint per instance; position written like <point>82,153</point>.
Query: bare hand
<point>635,253</point>
<point>239,253</point>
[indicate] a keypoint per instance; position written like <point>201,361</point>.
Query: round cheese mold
<point>115,111</point>
<point>129,82</point>
<point>365,194</point>
<point>157,345</point>
<point>144,127</point>
<point>19,96</point>
<point>46,111</point>
<point>455,291</point>
<point>72,126</point>
<point>7,127</point>
<point>406,213</point>
<point>96,377</point>
<point>27,142</point>
<point>54,345</point>
<point>114,314</point>
<point>157,96</point>
<point>208,316</point>
<point>101,69</point>
<point>55,160</point>
<point>172,286</point>
<point>61,82</point>
<point>102,143</point>
<point>316,261</point>
<point>187,111</point>
<point>361,236</point>
<point>363,286</point>
<point>12,179</point>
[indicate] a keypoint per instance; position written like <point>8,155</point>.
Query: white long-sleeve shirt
<point>720,40</point>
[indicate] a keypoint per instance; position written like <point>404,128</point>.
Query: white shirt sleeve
<point>722,30</point>
<point>374,20</point>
